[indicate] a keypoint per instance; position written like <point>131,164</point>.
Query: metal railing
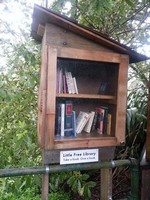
<point>133,165</point>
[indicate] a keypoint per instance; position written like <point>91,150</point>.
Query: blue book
<point>74,123</point>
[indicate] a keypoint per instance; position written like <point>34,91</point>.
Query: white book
<point>89,123</point>
<point>75,85</point>
<point>68,82</point>
<point>81,121</point>
<point>62,119</point>
<point>71,83</point>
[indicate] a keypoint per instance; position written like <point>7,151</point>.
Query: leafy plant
<point>59,196</point>
<point>79,183</point>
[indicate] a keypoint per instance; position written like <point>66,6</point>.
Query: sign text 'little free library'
<point>79,156</point>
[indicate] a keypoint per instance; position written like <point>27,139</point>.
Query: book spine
<point>74,123</point>
<point>81,121</point>
<point>100,120</point>
<point>75,85</point>
<point>88,125</point>
<point>58,120</point>
<point>64,84</point>
<point>109,124</point>
<point>105,120</point>
<point>94,122</point>
<point>62,119</point>
<point>68,114</point>
<point>68,82</point>
<point>71,83</point>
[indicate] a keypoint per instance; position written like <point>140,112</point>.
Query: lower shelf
<point>85,142</point>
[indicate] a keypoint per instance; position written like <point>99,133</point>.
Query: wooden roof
<point>41,16</point>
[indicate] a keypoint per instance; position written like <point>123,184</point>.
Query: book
<point>74,123</point>
<point>94,121</point>
<point>105,120</point>
<point>64,84</point>
<point>62,105</point>
<point>58,119</point>
<point>75,85</point>
<point>108,132</point>
<point>71,83</point>
<point>81,121</point>
<point>71,132</point>
<point>68,82</point>
<point>68,114</point>
<point>88,125</point>
<point>100,120</point>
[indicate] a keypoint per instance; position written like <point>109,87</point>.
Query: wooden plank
<point>86,96</point>
<point>51,93</point>
<point>61,37</point>
<point>45,186</point>
<point>53,156</point>
<point>85,143</point>
<point>106,184</point>
<point>42,97</point>
<point>41,30</point>
<point>121,99</point>
<point>89,55</point>
<point>51,81</point>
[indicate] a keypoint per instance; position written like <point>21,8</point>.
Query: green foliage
<point>76,183</point>
<point>58,181</point>
<point>18,108</point>
<point>79,183</point>
<point>124,20</point>
<point>21,195</point>
<point>59,196</point>
<point>18,113</point>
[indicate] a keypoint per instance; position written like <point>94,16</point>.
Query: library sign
<point>79,156</point>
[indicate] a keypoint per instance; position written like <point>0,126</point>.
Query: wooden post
<point>45,186</point>
<point>106,184</point>
<point>148,125</point>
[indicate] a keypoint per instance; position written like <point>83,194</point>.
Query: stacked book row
<point>98,121</point>
<point>66,83</point>
<point>67,124</point>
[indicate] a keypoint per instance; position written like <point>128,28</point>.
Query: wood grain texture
<point>106,184</point>
<point>51,94</point>
<point>122,99</point>
<point>85,142</point>
<point>42,97</point>
<point>89,55</point>
<point>61,37</point>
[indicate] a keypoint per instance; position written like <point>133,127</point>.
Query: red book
<point>68,114</point>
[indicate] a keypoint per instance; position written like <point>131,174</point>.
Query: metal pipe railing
<point>132,163</point>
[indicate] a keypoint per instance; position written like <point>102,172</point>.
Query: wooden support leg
<point>45,186</point>
<point>106,184</point>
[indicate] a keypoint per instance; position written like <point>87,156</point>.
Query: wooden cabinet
<point>100,67</point>
<point>92,70</point>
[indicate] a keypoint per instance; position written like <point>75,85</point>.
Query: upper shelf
<point>86,96</point>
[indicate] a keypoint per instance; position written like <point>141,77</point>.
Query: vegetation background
<point>127,21</point>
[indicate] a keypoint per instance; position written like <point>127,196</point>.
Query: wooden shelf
<point>86,96</point>
<point>85,143</point>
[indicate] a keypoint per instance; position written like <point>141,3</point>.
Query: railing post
<point>134,170</point>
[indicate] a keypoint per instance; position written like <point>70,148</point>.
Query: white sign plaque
<point>79,156</point>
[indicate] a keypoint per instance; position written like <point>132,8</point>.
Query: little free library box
<point>83,89</point>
